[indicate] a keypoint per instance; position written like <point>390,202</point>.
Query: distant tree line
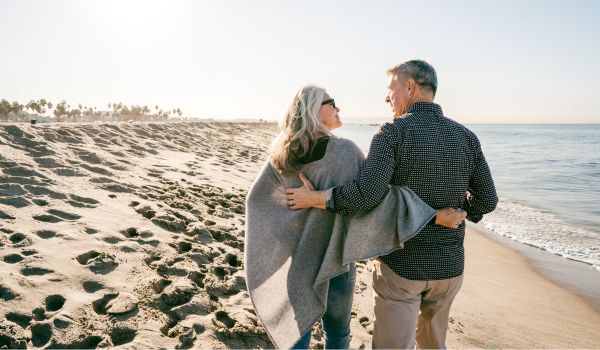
<point>63,112</point>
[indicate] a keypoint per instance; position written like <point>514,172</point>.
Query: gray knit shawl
<point>290,255</point>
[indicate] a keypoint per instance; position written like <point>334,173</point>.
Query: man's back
<point>436,158</point>
<point>440,160</point>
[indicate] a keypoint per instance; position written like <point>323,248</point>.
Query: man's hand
<point>305,196</point>
<point>450,217</point>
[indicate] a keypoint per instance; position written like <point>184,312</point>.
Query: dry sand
<point>131,235</point>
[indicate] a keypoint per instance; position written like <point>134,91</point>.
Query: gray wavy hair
<point>299,126</point>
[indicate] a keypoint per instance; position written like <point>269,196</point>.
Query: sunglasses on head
<point>329,102</point>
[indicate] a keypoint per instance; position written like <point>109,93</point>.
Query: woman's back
<point>286,249</point>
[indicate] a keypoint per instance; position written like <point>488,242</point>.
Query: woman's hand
<point>450,217</point>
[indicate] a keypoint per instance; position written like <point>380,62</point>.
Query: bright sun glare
<point>133,14</point>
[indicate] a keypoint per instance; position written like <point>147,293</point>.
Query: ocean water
<point>548,181</point>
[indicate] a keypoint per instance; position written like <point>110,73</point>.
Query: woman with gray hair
<point>300,264</point>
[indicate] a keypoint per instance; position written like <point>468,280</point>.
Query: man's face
<point>398,95</point>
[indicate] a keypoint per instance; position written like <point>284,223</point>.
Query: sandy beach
<point>131,235</point>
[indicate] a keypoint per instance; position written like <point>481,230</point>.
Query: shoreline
<point>507,302</point>
<point>579,277</point>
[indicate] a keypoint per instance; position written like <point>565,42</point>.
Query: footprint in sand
<point>29,252</point>
<point>233,260</point>
<point>112,239</point>
<point>155,173</point>
<point>55,215</point>
<point>152,260</point>
<point>54,303</point>
<point>101,180</point>
<point>178,293</point>
<point>47,218</point>
<point>128,248</point>
<point>98,262</point>
<point>90,231</point>
<point>122,334</point>
<point>41,333</point>
<point>35,271</point>
<point>89,157</point>
<point>62,322</point>
<point>63,214</point>
<point>130,232</point>
<point>146,211</point>
<point>40,202</point>
<point>97,170</point>
<point>140,237</point>
<point>46,234</point>
<point>99,305</point>
<point>12,258</point>
<point>182,246</point>
<point>116,304</point>
<point>159,285</point>
<point>41,191</point>
<point>92,286</point>
<point>19,240</point>
<point>6,294</point>
<point>17,202</point>
<point>197,277</point>
<point>223,317</point>
<point>67,172</point>
<point>82,202</point>
<point>118,188</point>
<point>20,318</point>
<point>89,342</point>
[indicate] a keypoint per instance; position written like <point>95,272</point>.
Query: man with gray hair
<point>442,162</point>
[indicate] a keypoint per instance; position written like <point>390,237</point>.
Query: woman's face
<point>328,114</point>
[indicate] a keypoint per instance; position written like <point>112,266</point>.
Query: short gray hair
<point>421,71</point>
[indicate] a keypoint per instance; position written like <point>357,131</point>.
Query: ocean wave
<point>545,230</point>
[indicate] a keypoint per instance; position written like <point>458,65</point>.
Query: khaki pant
<point>403,306</point>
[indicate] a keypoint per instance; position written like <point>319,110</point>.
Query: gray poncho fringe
<point>290,255</point>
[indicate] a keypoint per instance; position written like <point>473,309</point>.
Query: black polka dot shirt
<point>442,162</point>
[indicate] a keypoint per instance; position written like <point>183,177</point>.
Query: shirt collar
<point>427,107</point>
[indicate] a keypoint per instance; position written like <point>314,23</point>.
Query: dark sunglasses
<point>329,102</point>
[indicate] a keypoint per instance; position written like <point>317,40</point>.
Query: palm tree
<point>43,105</point>
<point>117,109</point>
<point>5,109</point>
<point>16,108</point>
<point>32,106</point>
<point>60,111</point>
<point>145,112</point>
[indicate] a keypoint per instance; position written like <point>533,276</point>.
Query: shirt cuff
<point>329,202</point>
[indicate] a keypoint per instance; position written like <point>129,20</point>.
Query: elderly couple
<point>404,205</point>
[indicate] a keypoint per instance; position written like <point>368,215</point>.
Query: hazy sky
<point>497,61</point>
